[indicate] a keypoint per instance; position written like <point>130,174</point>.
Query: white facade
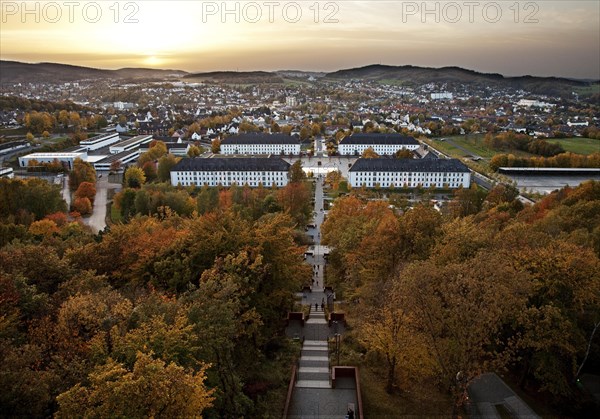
<point>65,158</point>
<point>228,178</point>
<point>409,173</point>
<point>228,171</point>
<point>260,149</point>
<point>130,144</point>
<point>441,96</point>
<point>7,172</point>
<point>255,143</point>
<point>100,141</point>
<point>382,144</point>
<point>380,149</point>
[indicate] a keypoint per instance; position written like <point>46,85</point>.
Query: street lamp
<point>337,338</point>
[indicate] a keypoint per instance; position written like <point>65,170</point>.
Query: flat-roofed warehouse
<point>65,158</point>
<point>257,143</point>
<point>412,173</point>
<point>131,143</point>
<point>382,144</point>
<point>225,171</point>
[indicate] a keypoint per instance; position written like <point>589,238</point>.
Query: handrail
<point>290,391</point>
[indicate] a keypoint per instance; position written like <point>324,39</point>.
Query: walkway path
<point>313,396</point>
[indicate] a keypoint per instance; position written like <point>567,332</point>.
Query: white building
<point>100,141</point>
<point>410,173</point>
<point>130,144</point>
<point>260,144</point>
<point>64,157</point>
<point>291,101</point>
<point>7,172</point>
<point>382,144</point>
<point>176,149</point>
<point>124,158</point>
<point>225,171</point>
<point>441,96</point>
<point>13,146</point>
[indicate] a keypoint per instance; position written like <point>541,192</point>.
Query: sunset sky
<point>547,37</point>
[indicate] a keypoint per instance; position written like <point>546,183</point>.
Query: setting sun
<point>152,61</point>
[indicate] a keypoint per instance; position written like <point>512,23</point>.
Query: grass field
<point>578,145</point>
<point>461,146</point>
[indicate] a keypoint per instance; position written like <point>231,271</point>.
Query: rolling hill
<point>17,72</point>
<point>411,75</point>
<point>237,77</point>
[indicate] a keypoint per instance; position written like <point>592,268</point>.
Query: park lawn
<point>474,143</point>
<point>447,148</point>
<point>578,145</point>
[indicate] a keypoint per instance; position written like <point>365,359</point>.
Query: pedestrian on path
<point>316,307</point>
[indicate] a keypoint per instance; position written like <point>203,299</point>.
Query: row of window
<point>227,178</point>
<point>379,149</point>
<point>253,183</point>
<point>453,180</point>
<point>272,148</point>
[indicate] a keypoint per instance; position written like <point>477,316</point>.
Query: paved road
<point>97,221</point>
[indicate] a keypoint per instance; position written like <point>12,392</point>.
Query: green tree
<point>165,164</point>
<point>134,177</point>
<point>296,172</point>
<point>194,151</point>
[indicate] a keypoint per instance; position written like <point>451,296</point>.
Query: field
<point>472,145</point>
<point>461,146</point>
<point>578,145</point>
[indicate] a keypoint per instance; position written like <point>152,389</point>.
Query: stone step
<point>313,373</point>
<point>320,320</point>
<point>315,343</point>
<point>313,376</point>
<point>314,361</point>
<point>309,352</point>
<point>313,384</point>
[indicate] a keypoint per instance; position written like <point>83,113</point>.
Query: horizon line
<point>594,80</point>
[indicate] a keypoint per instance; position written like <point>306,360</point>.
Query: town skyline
<point>545,38</point>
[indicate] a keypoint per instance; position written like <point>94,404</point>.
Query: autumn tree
<point>82,172</point>
<point>369,153</point>
<point>165,164</point>
<point>388,329</point>
<point>86,190</point>
<point>460,310</point>
<point>215,147</point>
<point>38,122</point>
<point>294,198</point>
<point>134,177</point>
<point>194,151</point>
<point>296,172</point>
<point>404,153</point>
<point>82,205</point>
<point>113,390</point>
<point>31,198</point>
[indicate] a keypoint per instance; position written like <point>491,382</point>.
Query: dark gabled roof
<point>229,164</point>
<point>258,138</point>
<point>371,138</point>
<point>408,165</point>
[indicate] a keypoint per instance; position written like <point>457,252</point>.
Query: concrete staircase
<point>314,358</point>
